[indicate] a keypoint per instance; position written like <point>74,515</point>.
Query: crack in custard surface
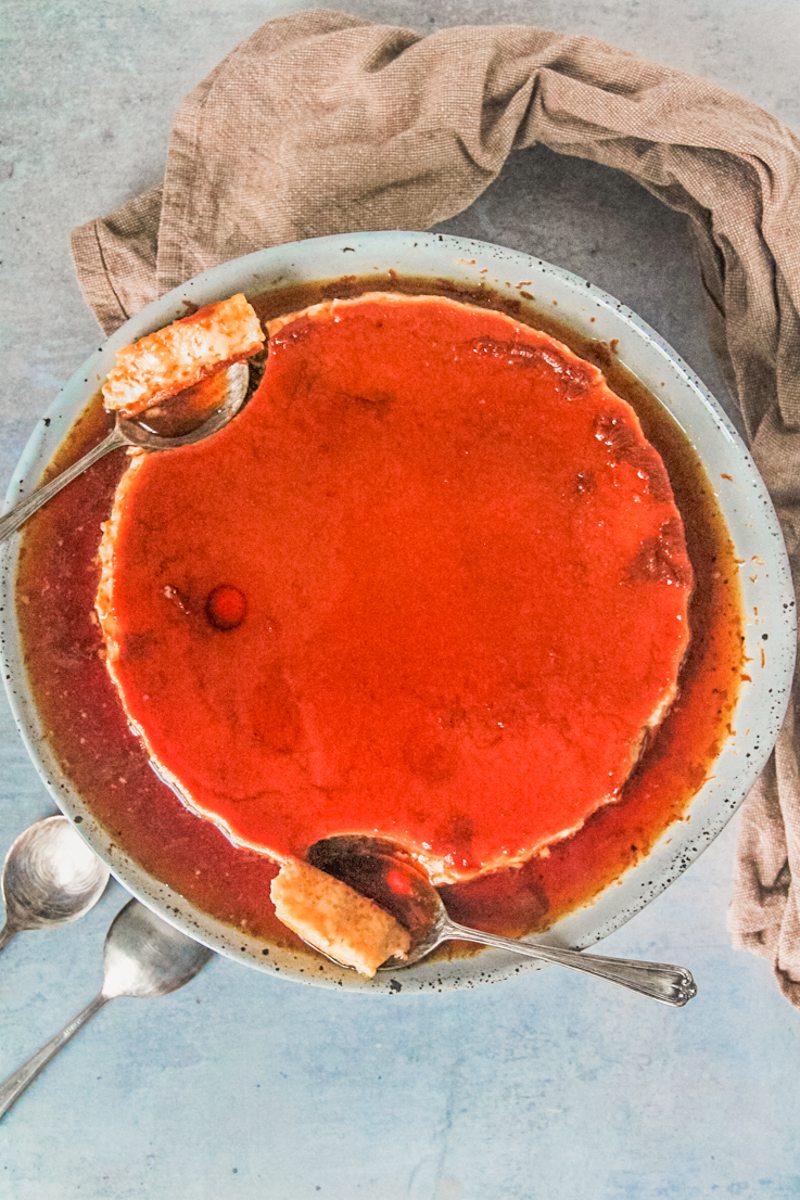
<point>507,899</point>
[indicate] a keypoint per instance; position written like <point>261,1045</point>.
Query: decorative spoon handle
<point>23,1077</point>
<point>662,981</point>
<point>19,514</point>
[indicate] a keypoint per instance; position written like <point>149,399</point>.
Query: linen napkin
<point>322,123</point>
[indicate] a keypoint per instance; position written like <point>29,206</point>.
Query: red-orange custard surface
<point>431,584</point>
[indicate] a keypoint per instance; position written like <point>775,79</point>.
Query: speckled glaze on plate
<point>768,598</point>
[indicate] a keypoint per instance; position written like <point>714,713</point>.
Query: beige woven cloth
<point>320,123</point>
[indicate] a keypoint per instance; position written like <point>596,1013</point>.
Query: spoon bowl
<point>143,956</point>
<point>390,877</point>
<point>50,876</point>
<point>191,415</point>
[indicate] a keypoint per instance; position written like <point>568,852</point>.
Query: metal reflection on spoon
<point>50,876</point>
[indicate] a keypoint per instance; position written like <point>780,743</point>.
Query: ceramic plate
<point>767,593</point>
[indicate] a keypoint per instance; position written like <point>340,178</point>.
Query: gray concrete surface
<point>241,1086</point>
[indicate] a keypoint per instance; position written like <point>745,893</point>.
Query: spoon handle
<point>19,514</point>
<point>662,981</point>
<point>6,934</point>
<point>13,1087</point>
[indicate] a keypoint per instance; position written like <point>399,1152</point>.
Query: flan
<point>431,585</point>
<point>332,917</point>
<point>174,358</point>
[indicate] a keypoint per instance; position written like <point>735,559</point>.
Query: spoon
<point>143,956</point>
<point>50,877</point>
<point>389,876</point>
<point>137,432</point>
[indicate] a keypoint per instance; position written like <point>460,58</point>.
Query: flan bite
<point>456,591</point>
<point>332,917</point>
<point>180,355</point>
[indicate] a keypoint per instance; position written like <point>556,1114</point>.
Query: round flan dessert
<point>430,585</point>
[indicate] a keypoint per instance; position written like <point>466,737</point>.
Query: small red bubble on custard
<point>226,606</point>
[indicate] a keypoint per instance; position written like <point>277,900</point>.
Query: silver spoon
<point>143,956</point>
<point>137,432</point>
<point>50,876</point>
<point>385,874</point>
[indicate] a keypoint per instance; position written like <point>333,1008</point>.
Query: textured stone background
<point>548,1086</point>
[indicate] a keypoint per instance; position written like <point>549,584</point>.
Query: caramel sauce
<point>106,764</point>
